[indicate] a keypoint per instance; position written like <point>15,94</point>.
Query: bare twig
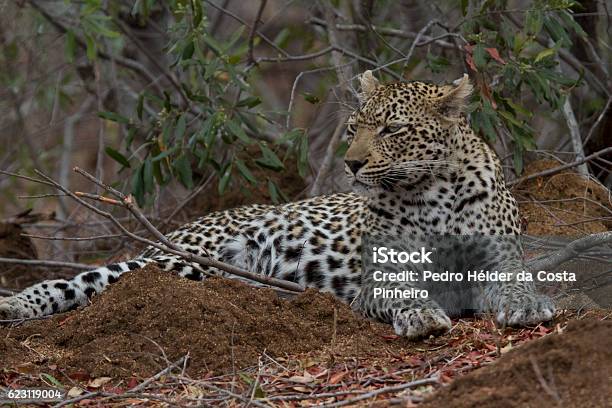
<point>177,364</point>
<point>560,168</point>
<point>93,238</point>
<point>384,390</point>
<point>536,369</point>
<point>386,31</point>
<point>571,250</point>
<point>598,121</point>
<point>328,160</point>
<point>164,245</point>
<point>49,264</point>
<point>124,62</point>
<point>250,58</point>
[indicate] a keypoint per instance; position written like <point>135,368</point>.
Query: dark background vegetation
<point>195,105</point>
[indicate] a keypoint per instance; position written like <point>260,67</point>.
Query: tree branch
<point>560,168</point>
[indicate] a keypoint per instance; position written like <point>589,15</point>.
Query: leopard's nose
<point>355,165</point>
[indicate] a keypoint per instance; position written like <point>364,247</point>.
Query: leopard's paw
<point>525,310</point>
<point>415,323</point>
<point>12,309</point>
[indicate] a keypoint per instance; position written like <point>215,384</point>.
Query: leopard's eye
<point>390,129</point>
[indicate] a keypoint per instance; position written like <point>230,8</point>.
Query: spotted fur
<point>415,166</point>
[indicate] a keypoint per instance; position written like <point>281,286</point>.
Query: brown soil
<point>222,324</point>
<point>563,204</point>
<point>572,369</point>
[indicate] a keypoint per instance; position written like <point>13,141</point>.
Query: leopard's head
<point>400,133</point>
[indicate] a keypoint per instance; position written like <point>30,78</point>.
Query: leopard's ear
<point>454,99</point>
<point>369,84</point>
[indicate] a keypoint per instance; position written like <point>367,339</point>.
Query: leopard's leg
<point>410,317</point>
<point>60,295</point>
<point>517,302</point>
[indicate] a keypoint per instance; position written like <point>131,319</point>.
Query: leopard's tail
<point>60,295</point>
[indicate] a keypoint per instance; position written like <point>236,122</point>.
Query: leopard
<point>415,166</point>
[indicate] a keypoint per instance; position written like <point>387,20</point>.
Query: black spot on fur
<point>313,272</point>
<point>114,268</point>
<point>89,292</point>
<point>91,277</point>
<point>69,294</point>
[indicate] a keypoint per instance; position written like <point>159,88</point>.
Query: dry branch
<point>560,168</point>
<point>385,390</point>
<point>571,251</point>
<point>49,264</point>
<point>164,244</point>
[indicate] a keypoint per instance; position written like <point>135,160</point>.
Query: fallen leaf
<point>75,392</point>
<point>337,377</point>
<point>98,382</point>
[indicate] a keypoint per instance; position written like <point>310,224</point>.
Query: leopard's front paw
<point>415,323</point>
<point>11,309</point>
<point>525,310</point>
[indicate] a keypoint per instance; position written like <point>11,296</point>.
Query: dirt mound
<point>572,369</point>
<point>562,204</point>
<point>222,324</point>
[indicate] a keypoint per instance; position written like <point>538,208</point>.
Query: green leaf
<point>114,117</point>
<point>557,32</point>
<point>518,108</point>
<point>510,118</point>
<point>188,51</point>
<point>548,52</point>
<point>245,172</point>
<point>51,379</point>
<point>302,164</point>
<point>90,48</point>
<point>276,194</point>
<point>568,19</point>
<point>118,157</point>
<point>140,106</point>
<point>518,159</point>
<point>480,56</point>
<point>313,99</point>
<point>281,39</point>
<point>225,178</point>
<point>196,5</point>
<point>164,154</point>
<point>179,131</point>
<point>342,148</point>
<point>71,46</point>
<point>183,169</point>
<point>273,191</point>
<point>464,7</point>
<point>436,64</point>
<point>269,159</point>
<point>147,176</point>
<point>249,102</point>
<point>235,129</point>
<point>534,19</point>
<point>138,186</point>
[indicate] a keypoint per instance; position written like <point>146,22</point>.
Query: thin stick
<point>165,245</point>
<point>328,160</point>
<point>93,238</point>
<point>570,251</point>
<point>597,122</point>
<point>561,168</point>
<point>51,264</point>
<point>384,390</point>
<point>262,6</point>
<point>157,376</point>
